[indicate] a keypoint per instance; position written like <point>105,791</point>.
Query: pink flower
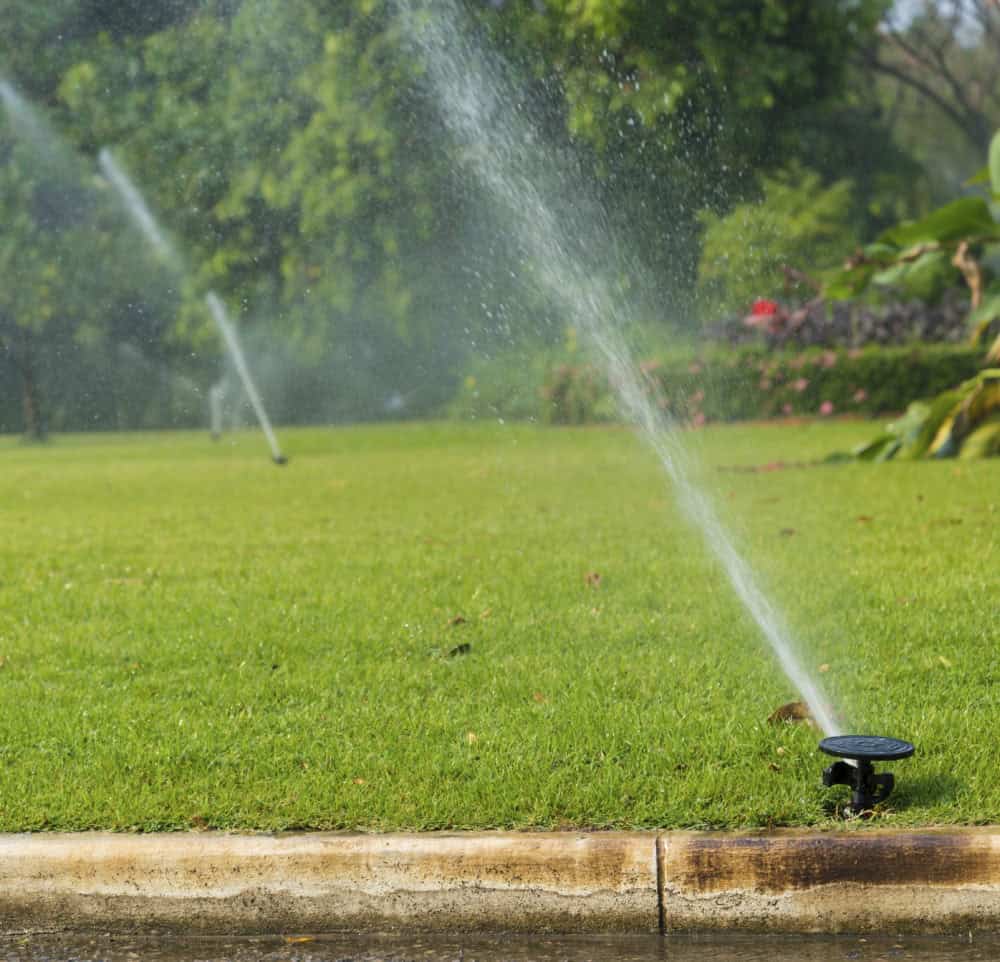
<point>800,385</point>
<point>860,395</point>
<point>787,408</point>
<point>828,359</point>
<point>826,408</point>
<point>698,420</point>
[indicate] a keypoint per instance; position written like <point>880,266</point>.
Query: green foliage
<point>506,386</point>
<point>684,103</point>
<point>76,292</point>
<point>963,422</point>
<point>921,258</point>
<point>798,223</point>
<point>994,164</point>
<point>291,151</point>
<point>724,384</point>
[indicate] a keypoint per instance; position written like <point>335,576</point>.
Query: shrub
<point>725,384</point>
<point>798,223</point>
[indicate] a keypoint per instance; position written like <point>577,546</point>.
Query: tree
<point>948,55</point>
<point>684,103</point>
<point>287,151</point>
<point>74,284</point>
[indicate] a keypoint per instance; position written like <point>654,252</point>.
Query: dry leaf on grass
<point>456,621</point>
<point>793,711</point>
<point>593,578</point>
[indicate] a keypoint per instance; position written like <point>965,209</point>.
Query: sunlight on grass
<point>192,637</point>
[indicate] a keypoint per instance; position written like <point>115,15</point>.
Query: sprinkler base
<point>868,789</point>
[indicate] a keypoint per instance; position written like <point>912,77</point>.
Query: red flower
<point>763,307</point>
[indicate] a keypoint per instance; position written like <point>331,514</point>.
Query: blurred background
<point>741,148</point>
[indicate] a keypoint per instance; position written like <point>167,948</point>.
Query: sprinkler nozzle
<point>279,459</point>
<point>868,789</point>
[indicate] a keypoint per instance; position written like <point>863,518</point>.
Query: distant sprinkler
<point>225,325</point>
<point>216,394</point>
<point>143,217</point>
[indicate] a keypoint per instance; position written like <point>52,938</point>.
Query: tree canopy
<point>293,153</point>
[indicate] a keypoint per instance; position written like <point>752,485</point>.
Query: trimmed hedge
<point>724,384</point>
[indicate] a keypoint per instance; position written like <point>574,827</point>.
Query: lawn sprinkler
<point>859,751</point>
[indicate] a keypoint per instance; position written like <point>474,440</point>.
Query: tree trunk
<point>31,397</point>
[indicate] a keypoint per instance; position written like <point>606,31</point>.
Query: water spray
<point>147,223</point>
<point>471,88</point>
<point>218,311</point>
<point>216,394</point>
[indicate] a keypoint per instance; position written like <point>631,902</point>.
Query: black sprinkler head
<point>867,788</point>
<point>280,459</point>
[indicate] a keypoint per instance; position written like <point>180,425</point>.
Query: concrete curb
<point>937,881</point>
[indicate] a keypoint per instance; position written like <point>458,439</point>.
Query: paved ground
<point>495,949</point>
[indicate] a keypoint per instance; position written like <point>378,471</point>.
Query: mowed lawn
<point>398,631</point>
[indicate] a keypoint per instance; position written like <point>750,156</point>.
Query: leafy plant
<point>963,422</point>
<point>954,244</point>
<point>759,249</point>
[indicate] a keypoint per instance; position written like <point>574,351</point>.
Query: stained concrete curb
<point>785,881</point>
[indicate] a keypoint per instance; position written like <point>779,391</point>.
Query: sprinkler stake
<point>867,788</point>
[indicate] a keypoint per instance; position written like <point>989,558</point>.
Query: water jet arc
<point>147,223</point>
<point>565,233</point>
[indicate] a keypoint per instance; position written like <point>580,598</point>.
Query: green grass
<point>193,637</point>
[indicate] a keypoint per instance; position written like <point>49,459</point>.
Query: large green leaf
<point>851,281</point>
<point>922,421</point>
<point>920,277</point>
<point>980,399</point>
<point>981,176</point>
<point>994,163</point>
<point>881,448</point>
<point>962,218</point>
<point>984,442</point>
<point>987,312</point>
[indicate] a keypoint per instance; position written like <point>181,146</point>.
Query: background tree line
<point>292,153</point>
